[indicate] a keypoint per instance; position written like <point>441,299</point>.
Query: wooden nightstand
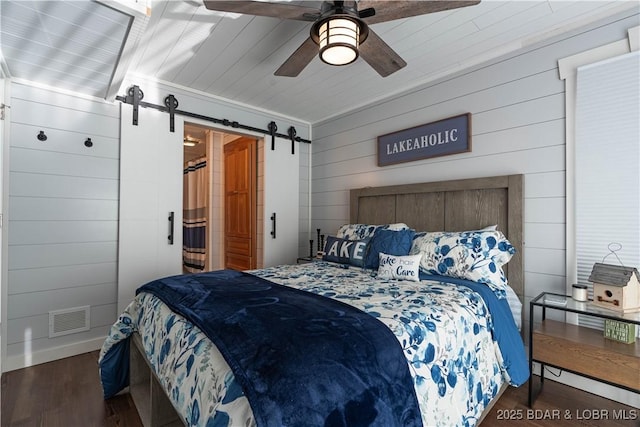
<point>578,349</point>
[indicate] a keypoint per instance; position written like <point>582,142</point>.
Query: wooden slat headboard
<point>458,205</point>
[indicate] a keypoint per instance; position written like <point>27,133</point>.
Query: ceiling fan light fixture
<point>338,38</point>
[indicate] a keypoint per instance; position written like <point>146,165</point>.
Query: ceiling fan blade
<point>398,9</point>
<point>298,59</point>
<point>261,8</point>
<point>380,56</point>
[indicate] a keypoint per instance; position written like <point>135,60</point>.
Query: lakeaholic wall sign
<point>441,138</point>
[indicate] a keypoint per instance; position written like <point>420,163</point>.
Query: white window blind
<point>607,164</point>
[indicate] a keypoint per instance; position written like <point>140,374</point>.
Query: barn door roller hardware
<point>272,130</point>
<point>135,95</point>
<point>171,103</point>
<point>291,133</point>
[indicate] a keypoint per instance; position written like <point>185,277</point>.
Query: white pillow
<point>399,267</point>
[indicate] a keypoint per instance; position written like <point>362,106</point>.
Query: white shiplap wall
<point>62,220</point>
<point>518,126</point>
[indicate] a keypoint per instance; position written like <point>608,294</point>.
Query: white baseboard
<point>43,356</point>
<point>590,386</point>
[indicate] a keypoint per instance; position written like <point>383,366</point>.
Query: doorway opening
<point>206,235</point>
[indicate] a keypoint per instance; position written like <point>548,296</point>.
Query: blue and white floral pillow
<point>473,255</point>
<point>365,231</point>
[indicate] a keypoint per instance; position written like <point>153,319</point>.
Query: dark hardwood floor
<point>67,393</point>
<point>63,393</point>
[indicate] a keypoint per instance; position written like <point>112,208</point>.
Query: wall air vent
<point>69,321</point>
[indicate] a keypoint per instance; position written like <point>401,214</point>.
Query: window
<point>607,163</point>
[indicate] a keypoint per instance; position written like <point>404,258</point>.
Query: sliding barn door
<point>281,202</point>
<point>151,167</point>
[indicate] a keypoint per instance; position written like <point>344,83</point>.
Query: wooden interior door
<point>240,204</point>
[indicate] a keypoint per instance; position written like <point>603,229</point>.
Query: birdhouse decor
<point>616,287</point>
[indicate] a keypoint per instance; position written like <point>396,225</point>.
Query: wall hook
<point>88,143</point>
<point>42,136</point>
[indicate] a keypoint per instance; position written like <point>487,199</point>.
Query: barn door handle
<point>273,225</point>
<point>171,221</point>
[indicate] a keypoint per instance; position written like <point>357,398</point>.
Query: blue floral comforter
<point>448,336</point>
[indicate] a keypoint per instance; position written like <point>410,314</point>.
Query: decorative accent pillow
<point>399,267</point>
<point>489,228</point>
<point>389,242</point>
<point>365,231</point>
<point>345,251</point>
<point>473,255</point>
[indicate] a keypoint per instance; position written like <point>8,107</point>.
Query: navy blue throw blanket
<point>301,359</point>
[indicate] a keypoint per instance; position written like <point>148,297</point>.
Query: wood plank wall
<point>518,127</point>
<point>63,217</point>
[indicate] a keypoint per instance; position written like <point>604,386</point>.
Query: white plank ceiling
<point>86,47</point>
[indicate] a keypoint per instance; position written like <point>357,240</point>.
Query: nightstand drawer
<point>586,351</point>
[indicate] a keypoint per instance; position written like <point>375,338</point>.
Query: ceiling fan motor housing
<point>337,10</point>
<point>338,31</point>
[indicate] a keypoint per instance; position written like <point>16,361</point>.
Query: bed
<point>460,345</point>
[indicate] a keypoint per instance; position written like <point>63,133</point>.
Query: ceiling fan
<point>340,31</point>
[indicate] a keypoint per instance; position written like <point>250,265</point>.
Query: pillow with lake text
<point>399,267</point>
<point>345,251</point>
